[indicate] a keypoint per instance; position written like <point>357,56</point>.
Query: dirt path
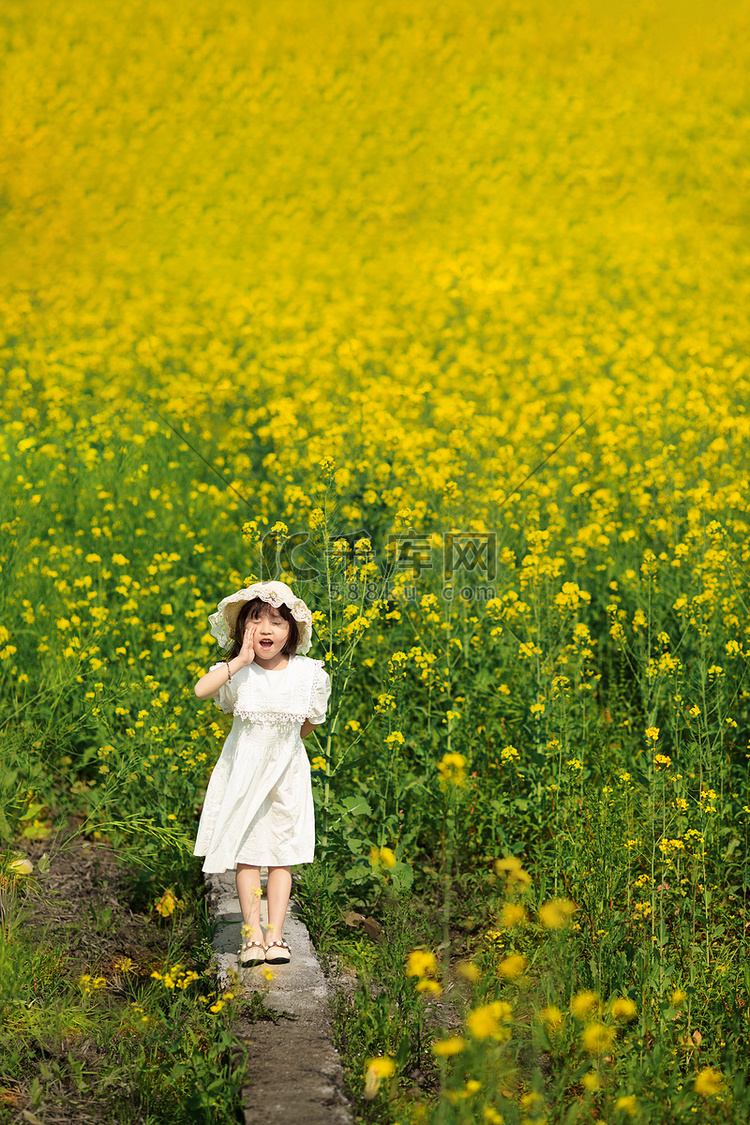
<point>83,903</point>
<point>84,915</point>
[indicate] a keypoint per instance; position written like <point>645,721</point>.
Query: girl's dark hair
<point>255,609</point>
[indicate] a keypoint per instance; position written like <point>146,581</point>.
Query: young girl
<point>258,809</point>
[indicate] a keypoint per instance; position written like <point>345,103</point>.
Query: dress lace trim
<point>267,716</point>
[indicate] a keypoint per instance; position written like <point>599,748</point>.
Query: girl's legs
<point>248,892</point>
<point>278,889</point>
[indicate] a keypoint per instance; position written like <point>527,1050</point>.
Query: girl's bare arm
<point>209,684</point>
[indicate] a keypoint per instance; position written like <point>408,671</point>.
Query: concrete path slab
<point>294,1071</point>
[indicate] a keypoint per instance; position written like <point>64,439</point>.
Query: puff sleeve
<point>321,691</point>
<point>226,696</point>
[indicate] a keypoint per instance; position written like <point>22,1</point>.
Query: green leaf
<point>403,1051</point>
<point>573,1113</point>
<point>402,876</point>
<point>356,806</point>
<point>32,810</point>
<point>36,832</point>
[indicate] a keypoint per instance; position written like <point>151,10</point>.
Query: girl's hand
<point>247,652</point>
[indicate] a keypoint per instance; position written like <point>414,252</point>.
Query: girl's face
<point>269,637</point>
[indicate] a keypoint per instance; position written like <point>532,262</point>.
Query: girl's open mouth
<point>266,644</point>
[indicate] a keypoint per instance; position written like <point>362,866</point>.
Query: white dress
<point>259,807</point>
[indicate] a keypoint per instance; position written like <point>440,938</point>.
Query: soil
<point>84,904</point>
<point>83,907</point>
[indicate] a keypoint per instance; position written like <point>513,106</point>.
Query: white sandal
<point>282,955</point>
<point>248,958</point>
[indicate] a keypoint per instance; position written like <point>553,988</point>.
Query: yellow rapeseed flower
<point>556,914</point>
<point>431,986</point>
<point>375,1071</point>
<point>452,1046</point>
<point>513,871</point>
<point>623,1008</point>
<point>597,1037</point>
<point>512,966</point>
<point>709,1082</point>
<point>552,1017</point>
<point>452,768</point>
<point>584,1005</point>
<point>382,857</point>
<point>481,1022</point>
<point>485,1021</point>
<point>381,1066</point>
<point>88,983</point>
<point>627,1103</point>
<point>513,914</point>
<point>421,963</point>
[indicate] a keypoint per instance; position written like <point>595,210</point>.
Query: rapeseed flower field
<point>437,311</point>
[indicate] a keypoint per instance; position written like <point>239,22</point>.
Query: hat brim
<point>224,621</point>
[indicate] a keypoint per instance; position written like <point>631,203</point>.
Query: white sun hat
<point>275,593</point>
